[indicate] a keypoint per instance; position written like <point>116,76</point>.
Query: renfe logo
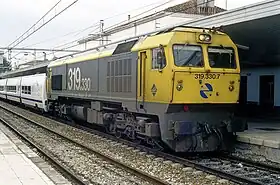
<point>204,92</point>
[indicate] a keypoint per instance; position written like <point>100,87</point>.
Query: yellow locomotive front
<point>206,68</point>
<point>190,79</point>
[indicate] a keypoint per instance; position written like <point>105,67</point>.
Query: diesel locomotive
<point>175,89</point>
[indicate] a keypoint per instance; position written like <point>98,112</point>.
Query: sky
<point>16,16</point>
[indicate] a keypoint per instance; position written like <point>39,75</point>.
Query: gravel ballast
<point>158,167</point>
<point>81,161</point>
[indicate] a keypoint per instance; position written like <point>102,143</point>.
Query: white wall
<point>253,83</point>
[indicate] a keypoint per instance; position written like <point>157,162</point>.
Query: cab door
<point>141,80</point>
<point>155,80</point>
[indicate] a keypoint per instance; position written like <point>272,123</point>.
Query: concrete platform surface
<point>19,165</point>
<point>262,134</point>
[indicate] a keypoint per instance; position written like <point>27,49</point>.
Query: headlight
<point>205,38</point>
<point>201,37</point>
<point>231,88</point>
<point>180,86</point>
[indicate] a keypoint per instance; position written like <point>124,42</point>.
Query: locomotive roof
<point>87,57</point>
<point>147,42</point>
<point>144,43</point>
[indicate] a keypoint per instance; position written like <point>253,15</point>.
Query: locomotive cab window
<point>220,57</point>
<point>188,56</point>
<point>158,58</point>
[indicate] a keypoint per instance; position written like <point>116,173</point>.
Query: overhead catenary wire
<point>138,36</point>
<point>73,41</point>
<point>92,26</point>
<point>141,13</point>
<point>146,11</point>
<point>199,4</point>
<point>10,45</point>
<point>81,30</point>
<point>114,25</point>
<point>45,23</point>
<point>84,29</point>
<point>119,41</point>
<point>77,32</point>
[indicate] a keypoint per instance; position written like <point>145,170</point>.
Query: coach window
<point>23,90</point>
<point>1,88</point>
<point>29,90</point>
<point>26,89</point>
<point>158,58</point>
<point>11,89</point>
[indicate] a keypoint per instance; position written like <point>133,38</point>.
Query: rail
<point>132,170</point>
<point>54,161</point>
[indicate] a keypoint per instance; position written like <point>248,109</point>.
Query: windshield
<point>220,57</point>
<point>188,56</point>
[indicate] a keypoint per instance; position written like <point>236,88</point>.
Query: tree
<point>6,66</point>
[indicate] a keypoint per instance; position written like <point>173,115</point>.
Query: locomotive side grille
<point>129,66</point>
<point>108,77</point>
<point>117,84</point>
<point>129,83</point>
<point>125,84</point>
<point>108,69</point>
<point>119,76</point>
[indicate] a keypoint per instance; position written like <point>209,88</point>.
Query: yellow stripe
<point>81,58</point>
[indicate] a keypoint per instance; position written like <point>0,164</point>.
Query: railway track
<point>240,172</point>
<point>66,169</point>
<point>62,168</point>
<point>227,167</point>
<point>232,169</point>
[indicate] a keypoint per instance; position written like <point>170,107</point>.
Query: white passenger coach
<point>3,88</point>
<point>29,90</point>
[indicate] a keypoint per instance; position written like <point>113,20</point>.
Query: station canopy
<point>256,26</point>
<point>262,36</point>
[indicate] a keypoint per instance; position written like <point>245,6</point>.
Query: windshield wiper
<point>182,48</point>
<point>222,46</point>
<point>190,58</point>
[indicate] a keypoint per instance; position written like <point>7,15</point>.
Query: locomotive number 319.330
<point>76,81</point>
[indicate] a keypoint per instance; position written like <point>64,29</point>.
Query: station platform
<point>20,165</point>
<point>262,140</point>
<point>262,133</point>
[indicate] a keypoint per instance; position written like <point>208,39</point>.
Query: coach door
<point>141,80</point>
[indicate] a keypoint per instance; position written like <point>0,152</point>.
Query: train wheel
<point>110,128</point>
<point>118,134</point>
<point>154,144</point>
